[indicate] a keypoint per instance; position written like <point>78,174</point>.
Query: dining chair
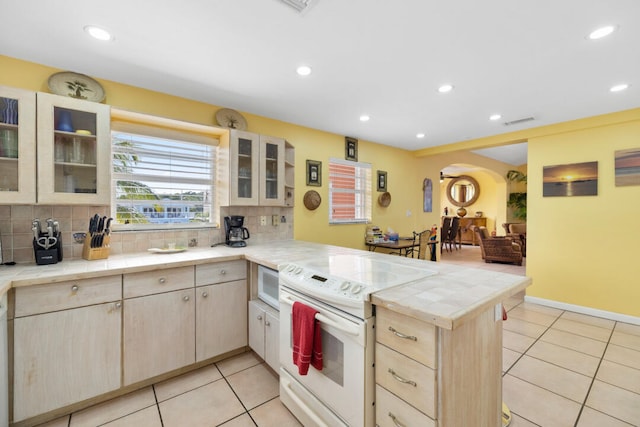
<point>423,243</point>
<point>444,231</point>
<point>453,232</point>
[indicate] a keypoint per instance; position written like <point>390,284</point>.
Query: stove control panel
<point>323,285</point>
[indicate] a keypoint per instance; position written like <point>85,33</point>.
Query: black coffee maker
<point>235,233</point>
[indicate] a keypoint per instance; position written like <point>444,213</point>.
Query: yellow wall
<point>580,250</point>
<point>584,250</point>
<point>310,144</point>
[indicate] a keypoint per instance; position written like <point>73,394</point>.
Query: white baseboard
<point>585,310</point>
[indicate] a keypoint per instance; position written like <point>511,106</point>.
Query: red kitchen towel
<point>307,338</point>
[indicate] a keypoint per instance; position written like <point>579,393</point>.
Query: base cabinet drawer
<point>219,272</point>
<point>68,294</point>
<point>407,379</point>
<point>408,336</point>
<point>393,412</point>
<point>157,281</point>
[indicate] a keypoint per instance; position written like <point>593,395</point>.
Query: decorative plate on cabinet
<point>231,119</point>
<point>76,85</point>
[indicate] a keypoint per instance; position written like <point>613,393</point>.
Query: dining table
<point>404,246</point>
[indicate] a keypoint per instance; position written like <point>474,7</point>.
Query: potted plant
<point>517,201</point>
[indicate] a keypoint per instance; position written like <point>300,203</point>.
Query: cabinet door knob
<point>204,295</point>
<point>259,317</point>
<point>75,288</point>
<point>185,298</point>
<point>267,323</point>
<point>162,280</point>
<point>118,305</point>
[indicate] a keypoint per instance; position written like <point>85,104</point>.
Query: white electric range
<point>339,288</point>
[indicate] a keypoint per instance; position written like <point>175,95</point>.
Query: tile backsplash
<point>16,235</point>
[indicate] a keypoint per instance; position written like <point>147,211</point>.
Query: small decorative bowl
<point>79,237</point>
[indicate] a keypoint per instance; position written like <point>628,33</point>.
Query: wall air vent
<point>519,121</point>
<point>299,5</point>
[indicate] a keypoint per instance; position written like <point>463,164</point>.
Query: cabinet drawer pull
<point>162,280</point>
<point>395,420</point>
<point>185,298</point>
<point>400,379</point>
<point>75,288</point>
<point>204,295</point>
<point>223,272</point>
<point>401,335</point>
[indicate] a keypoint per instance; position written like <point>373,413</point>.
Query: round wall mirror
<point>463,191</point>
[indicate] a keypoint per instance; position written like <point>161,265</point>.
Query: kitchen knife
<point>50,237</point>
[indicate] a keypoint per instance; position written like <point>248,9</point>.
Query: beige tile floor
<point>237,392</point>
<point>559,369</point>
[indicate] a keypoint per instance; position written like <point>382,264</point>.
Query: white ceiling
<point>383,58</point>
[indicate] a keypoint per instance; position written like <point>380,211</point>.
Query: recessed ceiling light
<point>602,32</point>
<point>98,33</point>
<point>303,70</point>
<point>364,118</point>
<point>420,135</point>
<point>445,88</point>
<point>619,88</point>
<point>495,117</point>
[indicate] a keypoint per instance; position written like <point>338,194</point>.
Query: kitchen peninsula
<point>460,306</point>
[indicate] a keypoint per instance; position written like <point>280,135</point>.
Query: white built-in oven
<point>342,393</point>
<point>268,286</point>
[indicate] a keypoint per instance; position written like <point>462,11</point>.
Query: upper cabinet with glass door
<point>258,166</point>
<point>244,149</point>
<point>17,146</point>
<point>271,171</point>
<point>73,151</point>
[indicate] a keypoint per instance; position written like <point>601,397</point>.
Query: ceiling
<point>382,58</point>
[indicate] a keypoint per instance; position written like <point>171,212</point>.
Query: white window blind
<point>163,171</point>
<point>161,181</point>
<point>349,192</point>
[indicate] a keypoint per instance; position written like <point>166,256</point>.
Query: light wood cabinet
<point>221,318</point>
<point>159,334</point>
<point>17,146</point>
<point>74,151</point>
<point>264,326</point>
<point>221,308</point>
<point>63,357</point>
<point>244,150</point>
<point>158,322</point>
<point>272,156</point>
<point>466,231</point>
<point>426,375</point>
<point>261,170</point>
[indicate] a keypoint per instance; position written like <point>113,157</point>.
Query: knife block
<point>90,253</point>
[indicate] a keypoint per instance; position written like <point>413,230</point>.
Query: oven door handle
<point>339,325</point>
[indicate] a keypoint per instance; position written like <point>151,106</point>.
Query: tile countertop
<point>445,299</point>
<point>453,296</point>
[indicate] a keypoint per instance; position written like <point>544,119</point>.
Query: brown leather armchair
<point>499,249</point>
